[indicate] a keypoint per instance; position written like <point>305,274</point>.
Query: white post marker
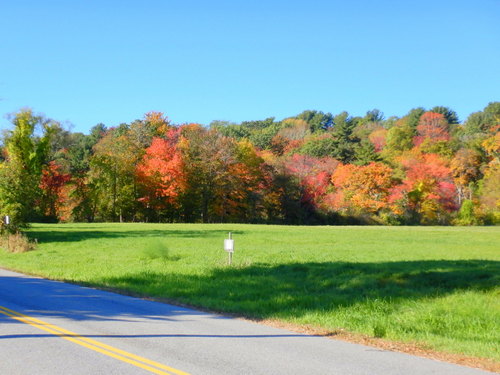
<point>229,247</point>
<point>7,222</point>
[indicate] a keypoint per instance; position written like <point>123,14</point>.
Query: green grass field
<point>437,286</point>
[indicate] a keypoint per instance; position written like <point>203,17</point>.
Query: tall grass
<point>16,242</point>
<point>437,286</point>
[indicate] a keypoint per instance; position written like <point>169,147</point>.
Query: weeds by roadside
<point>17,243</point>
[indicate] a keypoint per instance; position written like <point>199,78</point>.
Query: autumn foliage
<point>427,191</point>
<point>161,172</point>
<point>361,189</point>
<point>315,168</point>
<point>432,127</point>
<point>53,185</point>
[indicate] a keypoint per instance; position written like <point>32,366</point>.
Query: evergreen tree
<point>365,153</point>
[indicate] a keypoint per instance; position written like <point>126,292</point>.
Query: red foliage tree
<point>161,172</point>
<point>432,127</point>
<point>52,184</point>
<point>427,190</point>
<point>313,174</point>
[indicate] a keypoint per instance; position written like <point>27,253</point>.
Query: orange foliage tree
<point>465,167</point>
<point>161,173</point>
<point>361,189</point>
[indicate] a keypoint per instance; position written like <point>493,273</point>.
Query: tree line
<point>313,168</point>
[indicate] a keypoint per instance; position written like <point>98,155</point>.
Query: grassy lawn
<point>437,286</point>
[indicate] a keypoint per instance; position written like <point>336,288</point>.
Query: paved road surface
<point>49,327</point>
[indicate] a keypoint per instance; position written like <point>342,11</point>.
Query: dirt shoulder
<point>409,348</point>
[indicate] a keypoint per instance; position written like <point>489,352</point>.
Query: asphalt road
<point>49,327</point>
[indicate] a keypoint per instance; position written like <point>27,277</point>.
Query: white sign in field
<point>229,245</point>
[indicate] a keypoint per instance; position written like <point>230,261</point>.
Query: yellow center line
<point>97,346</point>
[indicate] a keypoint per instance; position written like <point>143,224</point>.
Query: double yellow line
<point>144,363</point>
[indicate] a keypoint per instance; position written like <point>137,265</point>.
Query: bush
<point>466,215</point>
<point>17,243</point>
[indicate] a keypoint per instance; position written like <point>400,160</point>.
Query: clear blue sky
<point>108,61</point>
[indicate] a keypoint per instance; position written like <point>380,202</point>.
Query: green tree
<point>466,214</point>
<point>258,124</point>
<point>262,138</point>
<point>365,153</point>
<point>324,145</point>
<point>207,155</point>
<point>493,109</point>
<point>230,129</point>
<point>374,115</point>
<point>477,123</point>
<point>317,120</point>
<point>484,122</point>
<point>412,118</point>
<point>343,129</point>
<point>21,172</point>
<point>399,139</point>
<point>112,175</point>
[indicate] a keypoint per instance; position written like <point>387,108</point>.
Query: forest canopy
<point>426,167</point>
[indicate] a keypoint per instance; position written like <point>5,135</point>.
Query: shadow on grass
<point>46,236</point>
<point>291,290</point>
<point>258,291</point>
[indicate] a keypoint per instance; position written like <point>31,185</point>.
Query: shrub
<point>466,215</point>
<point>17,243</point>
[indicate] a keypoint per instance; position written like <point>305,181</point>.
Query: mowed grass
<point>437,286</point>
